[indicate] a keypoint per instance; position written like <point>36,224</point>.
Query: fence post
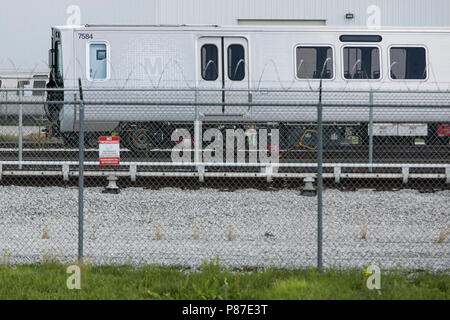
<point>20,127</point>
<point>371,130</point>
<point>80,175</point>
<point>319,178</point>
<point>6,108</point>
<point>198,139</point>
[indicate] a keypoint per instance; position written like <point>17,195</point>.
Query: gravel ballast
<point>243,228</point>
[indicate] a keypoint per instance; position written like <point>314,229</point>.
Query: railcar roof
<point>268,28</point>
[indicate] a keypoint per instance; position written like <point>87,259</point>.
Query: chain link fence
<point>254,178</point>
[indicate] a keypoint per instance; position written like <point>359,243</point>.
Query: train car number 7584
<point>85,36</point>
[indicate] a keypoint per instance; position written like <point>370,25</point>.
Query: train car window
<point>361,63</point>
<point>236,62</point>
<point>0,83</point>
<point>59,61</point>
<point>21,85</point>
<point>39,84</point>
<point>101,54</point>
<point>98,66</point>
<point>210,62</point>
<point>314,62</point>
<point>408,63</point>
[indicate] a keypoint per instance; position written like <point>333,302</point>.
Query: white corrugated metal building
<point>25,25</point>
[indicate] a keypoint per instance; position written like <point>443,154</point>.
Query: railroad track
<point>400,167</point>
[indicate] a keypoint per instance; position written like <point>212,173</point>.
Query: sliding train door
<point>210,76</point>
<point>236,77</point>
<point>223,77</point>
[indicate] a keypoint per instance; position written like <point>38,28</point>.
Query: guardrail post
<point>269,172</point>
<point>337,174</point>
<point>133,171</point>
<point>405,175</point>
<point>65,172</point>
<point>81,175</point>
<point>371,131</point>
<point>20,127</point>
<point>319,178</point>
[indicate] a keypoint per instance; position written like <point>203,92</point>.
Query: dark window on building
<point>361,63</point>
<point>408,63</point>
<point>360,38</point>
<point>314,62</point>
<point>210,62</point>
<point>236,62</point>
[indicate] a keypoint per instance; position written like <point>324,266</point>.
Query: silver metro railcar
<point>28,87</point>
<point>232,65</point>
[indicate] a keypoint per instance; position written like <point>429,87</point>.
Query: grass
<point>363,230</point>
<point>158,231</point>
<point>230,235</point>
<point>38,139</point>
<point>48,281</point>
<point>444,235</point>
<point>46,229</point>
<point>9,138</point>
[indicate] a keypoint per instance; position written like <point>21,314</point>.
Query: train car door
<point>236,77</point>
<point>210,75</point>
<point>223,76</point>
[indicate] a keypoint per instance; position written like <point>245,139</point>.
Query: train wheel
<point>143,139</point>
<point>140,139</point>
<point>71,140</point>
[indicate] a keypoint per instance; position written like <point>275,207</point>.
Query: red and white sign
<point>444,130</point>
<point>109,150</point>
